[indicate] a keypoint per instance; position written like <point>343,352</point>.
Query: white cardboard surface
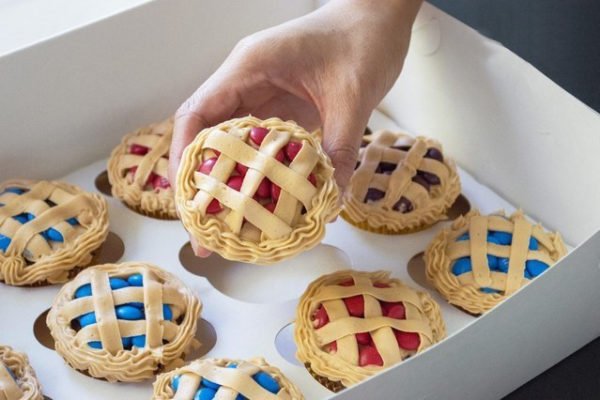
<point>82,90</point>
<point>247,304</point>
<point>509,125</point>
<point>512,128</point>
<point>26,22</point>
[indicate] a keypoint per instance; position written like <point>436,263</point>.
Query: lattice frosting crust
<point>481,260</point>
<point>226,379</point>
<point>401,184</point>
<point>47,229</point>
<point>124,322</point>
<point>256,191</point>
<point>351,325</point>
<point>17,378</point>
<point>137,170</point>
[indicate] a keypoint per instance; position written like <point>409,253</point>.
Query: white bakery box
<point>521,141</point>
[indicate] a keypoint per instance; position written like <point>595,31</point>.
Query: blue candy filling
<point>533,244</point>
<point>175,382</point>
<point>533,268</point>
<point>208,389</point>
<point>205,394</point>
<point>464,236</point>
<point>488,290</point>
<point>50,234</point>
<point>266,381</point>
<point>14,190</point>
<point>4,242</point>
<point>131,311</point>
<point>12,374</point>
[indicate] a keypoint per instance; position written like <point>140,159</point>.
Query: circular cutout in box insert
<point>207,336</point>
<point>275,283</point>
<point>42,332</point>
<point>461,206</point>
<point>285,344</point>
<point>102,184</point>
<point>416,270</point>
<point>111,250</point>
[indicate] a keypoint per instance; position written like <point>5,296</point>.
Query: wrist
<point>401,11</point>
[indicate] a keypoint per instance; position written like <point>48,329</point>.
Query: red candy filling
<point>155,181</point>
<point>368,354</point>
<point>267,192</point>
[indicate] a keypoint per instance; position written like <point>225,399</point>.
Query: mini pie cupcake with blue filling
<point>48,230</point>
<point>17,378</point>
<point>124,322</point>
<point>226,379</point>
<point>481,260</point>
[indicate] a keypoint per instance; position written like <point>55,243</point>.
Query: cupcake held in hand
<point>256,191</point>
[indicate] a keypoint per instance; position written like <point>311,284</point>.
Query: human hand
<point>327,69</point>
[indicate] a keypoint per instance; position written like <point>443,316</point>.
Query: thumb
<point>203,109</point>
<point>341,140</point>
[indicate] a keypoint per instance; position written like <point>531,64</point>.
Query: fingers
<point>198,250</point>
<point>342,134</point>
<point>206,107</point>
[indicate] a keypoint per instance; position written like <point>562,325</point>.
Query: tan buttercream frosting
<point>464,290</point>
<point>422,317</point>
<point>233,381</point>
<point>30,258</point>
<point>113,362</point>
<point>428,205</point>
<point>134,188</point>
<point>26,385</point>
<point>245,230</point>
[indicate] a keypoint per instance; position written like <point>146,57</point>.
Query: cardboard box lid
<point>504,121</point>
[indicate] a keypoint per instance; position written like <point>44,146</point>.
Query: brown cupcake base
<point>364,225</point>
<point>162,215</point>
<point>334,386</point>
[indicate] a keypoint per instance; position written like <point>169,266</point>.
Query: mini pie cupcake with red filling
<point>137,171</point>
<point>351,325</point>
<point>212,378</point>
<point>49,230</point>
<point>256,191</point>
<point>17,378</point>
<point>483,259</point>
<point>401,184</point>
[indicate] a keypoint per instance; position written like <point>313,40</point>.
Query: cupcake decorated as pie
<point>256,191</point>
<point>482,259</point>
<point>17,378</point>
<point>137,171</point>
<point>351,325</point>
<point>208,379</point>
<point>49,230</point>
<point>401,184</point>
<point>124,322</point>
